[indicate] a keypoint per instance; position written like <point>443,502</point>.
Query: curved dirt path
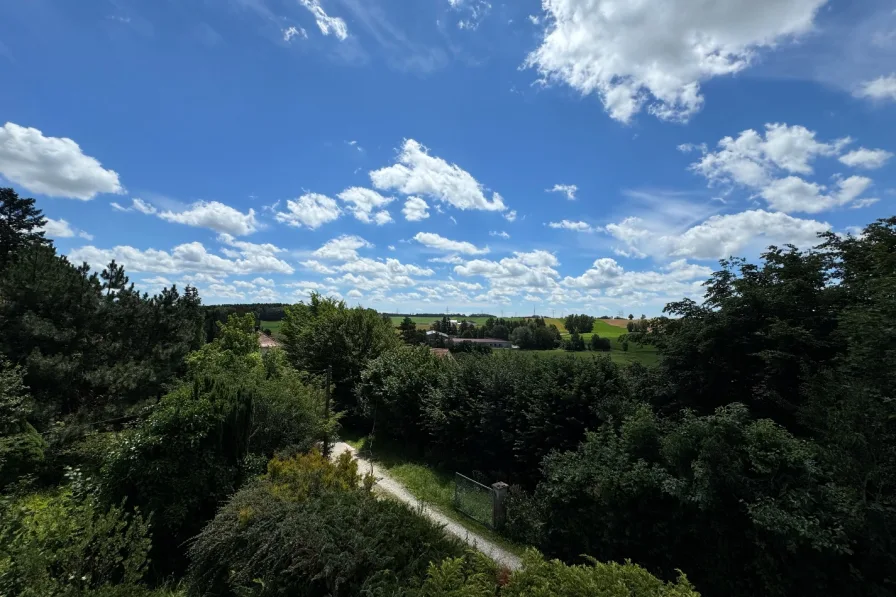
<point>397,490</point>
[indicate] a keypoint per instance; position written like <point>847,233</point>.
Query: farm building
<point>492,342</point>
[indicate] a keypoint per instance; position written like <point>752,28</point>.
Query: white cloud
<point>718,237</point>
<point>215,216</point>
<point>311,210</point>
<point>882,88</point>
<point>768,165</point>
<point>318,267</point>
<point>292,32</point>
<point>58,229</point>
<point>142,206</point>
<point>569,190</point>
<point>473,12</point>
<point>793,194</point>
<point>415,209</point>
<point>190,258</point>
<point>344,248</point>
<point>62,229</point>
<point>510,216</point>
<point>418,173</point>
<point>355,293</point>
<point>325,22</point>
<point>574,226</point>
<point>263,282</point>
<point>501,234</point>
<point>524,272</point>
<point>534,19</point>
<point>452,259</point>
<point>435,241</point>
<point>752,159</point>
<point>391,247</point>
<point>265,295</point>
<point>868,159</point>
<point>118,207</point>
<point>632,53</point>
<point>362,203</point>
<point>53,166</point>
<point>609,279</point>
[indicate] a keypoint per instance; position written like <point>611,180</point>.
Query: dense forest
<point>148,447</point>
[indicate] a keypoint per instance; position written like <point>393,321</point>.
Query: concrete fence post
<point>499,511</point>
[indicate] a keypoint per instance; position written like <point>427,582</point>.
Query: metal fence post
<point>499,511</point>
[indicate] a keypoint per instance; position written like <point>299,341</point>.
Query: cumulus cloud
<point>325,22</point>
<point>363,202</point>
<point>793,194</point>
<point>500,234</point>
<point>869,159</point>
<point>718,237</point>
<point>574,226</point>
<point>53,166</point>
<point>311,210</point>
<point>418,173</point>
<point>190,258</point>
<point>882,88</point>
<point>632,53</point>
<point>62,229</point>
<point>569,190</point>
<point>524,272</point>
<point>769,164</point>
<point>415,209</point>
<point>215,216</point>
<point>609,279</point>
<point>343,248</point>
<point>435,241</point>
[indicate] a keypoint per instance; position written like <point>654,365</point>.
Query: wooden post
<point>499,511</point>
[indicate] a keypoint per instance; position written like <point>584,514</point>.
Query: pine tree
<point>20,224</point>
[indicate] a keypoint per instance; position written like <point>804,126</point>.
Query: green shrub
<point>59,545</point>
<point>21,446</point>
<point>475,576</point>
<point>307,529</point>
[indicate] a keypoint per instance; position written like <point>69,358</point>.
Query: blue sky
<point>570,155</point>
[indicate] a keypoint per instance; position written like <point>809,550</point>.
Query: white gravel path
<point>386,483</point>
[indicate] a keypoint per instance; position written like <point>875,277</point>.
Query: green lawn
<point>433,487</point>
<point>274,326</point>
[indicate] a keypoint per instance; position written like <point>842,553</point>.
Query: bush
<point>600,344</point>
<point>59,545</point>
<point>21,446</point>
<point>307,530</point>
<point>474,576</point>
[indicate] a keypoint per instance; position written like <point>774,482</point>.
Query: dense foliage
<point>498,415</point>
<point>57,544</point>
<point>196,446</point>
<point>307,529</point>
<point>326,334</point>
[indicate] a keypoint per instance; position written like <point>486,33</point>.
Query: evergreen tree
<point>21,224</point>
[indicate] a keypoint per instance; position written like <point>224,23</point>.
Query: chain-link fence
<point>474,499</point>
